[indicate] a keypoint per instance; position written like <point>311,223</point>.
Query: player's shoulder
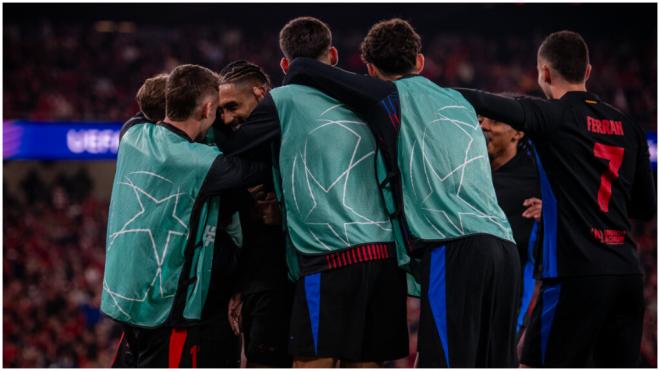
<point>617,114</point>
<point>137,119</point>
<point>289,89</point>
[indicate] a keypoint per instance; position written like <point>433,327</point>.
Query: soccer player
<point>151,97</point>
<point>151,100</point>
<point>163,248</point>
<point>263,305</point>
<point>438,167</point>
<point>516,183</point>
<point>595,174</point>
<point>350,297</point>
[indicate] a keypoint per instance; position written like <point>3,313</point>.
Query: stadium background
<point>71,71</point>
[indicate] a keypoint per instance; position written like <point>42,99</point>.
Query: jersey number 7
<point>615,157</point>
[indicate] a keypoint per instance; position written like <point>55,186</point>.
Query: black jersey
<point>514,182</point>
<point>594,172</point>
<point>262,257</point>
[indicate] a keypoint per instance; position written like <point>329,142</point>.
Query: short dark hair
<point>186,86</point>
<point>305,37</point>
<point>392,46</point>
<point>567,53</point>
<point>151,97</point>
<point>241,71</point>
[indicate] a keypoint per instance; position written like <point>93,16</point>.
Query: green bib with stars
<point>159,228</point>
<point>444,168</point>
<point>327,167</point>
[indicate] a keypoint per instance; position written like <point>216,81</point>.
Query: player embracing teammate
<point>594,174</point>
<point>378,173</point>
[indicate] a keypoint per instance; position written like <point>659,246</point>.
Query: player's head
<point>242,86</point>
<point>191,95</point>
<point>391,49</point>
<point>500,137</point>
<point>151,97</point>
<point>563,58</point>
<point>307,37</point>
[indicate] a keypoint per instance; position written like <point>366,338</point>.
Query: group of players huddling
<point>300,218</point>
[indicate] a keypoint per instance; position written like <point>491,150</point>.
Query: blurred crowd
<point>91,72</point>
<point>54,248</point>
<point>54,233</point>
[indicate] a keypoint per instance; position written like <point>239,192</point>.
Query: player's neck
<point>385,77</point>
<point>503,158</point>
<point>191,127</point>
<point>559,90</point>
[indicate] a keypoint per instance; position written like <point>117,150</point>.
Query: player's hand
<point>534,208</point>
<point>269,209</point>
<point>234,313</point>
<point>257,192</point>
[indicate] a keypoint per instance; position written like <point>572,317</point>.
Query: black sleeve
<point>360,93</point>
<point>536,117</point>
<point>138,118</point>
<point>262,127</point>
<point>229,172</point>
<point>643,199</point>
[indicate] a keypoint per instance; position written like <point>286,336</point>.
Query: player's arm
<point>359,92</point>
<point>643,198</point>
<point>536,117</point>
<point>230,172</point>
<point>261,128</point>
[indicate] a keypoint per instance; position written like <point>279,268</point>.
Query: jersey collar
<point>175,130</point>
<point>580,96</point>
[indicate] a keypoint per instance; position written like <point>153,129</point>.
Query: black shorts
<point>265,319</point>
<point>210,344</point>
<point>219,347</point>
<point>356,313</point>
<point>164,347</point>
<point>469,303</point>
<point>123,357</point>
<point>586,322</point>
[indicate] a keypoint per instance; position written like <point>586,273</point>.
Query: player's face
<point>237,101</point>
<point>499,136</point>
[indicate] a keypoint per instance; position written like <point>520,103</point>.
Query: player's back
<point>446,178</point>
<point>327,160</point>
<point>591,157</point>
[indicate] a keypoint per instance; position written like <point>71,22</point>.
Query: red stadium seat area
<point>54,239</point>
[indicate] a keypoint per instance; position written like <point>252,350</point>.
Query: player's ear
<point>284,65</point>
<point>334,56</point>
<point>372,70</point>
<point>259,91</point>
<point>587,72</point>
<point>546,74</point>
<point>517,136</point>
<point>207,108</point>
<point>419,63</point>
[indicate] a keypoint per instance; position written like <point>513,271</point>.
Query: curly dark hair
<point>305,37</point>
<point>567,53</point>
<point>241,71</point>
<point>392,46</point>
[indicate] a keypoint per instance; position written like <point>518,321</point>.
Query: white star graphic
<point>159,240</point>
<point>455,219</point>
